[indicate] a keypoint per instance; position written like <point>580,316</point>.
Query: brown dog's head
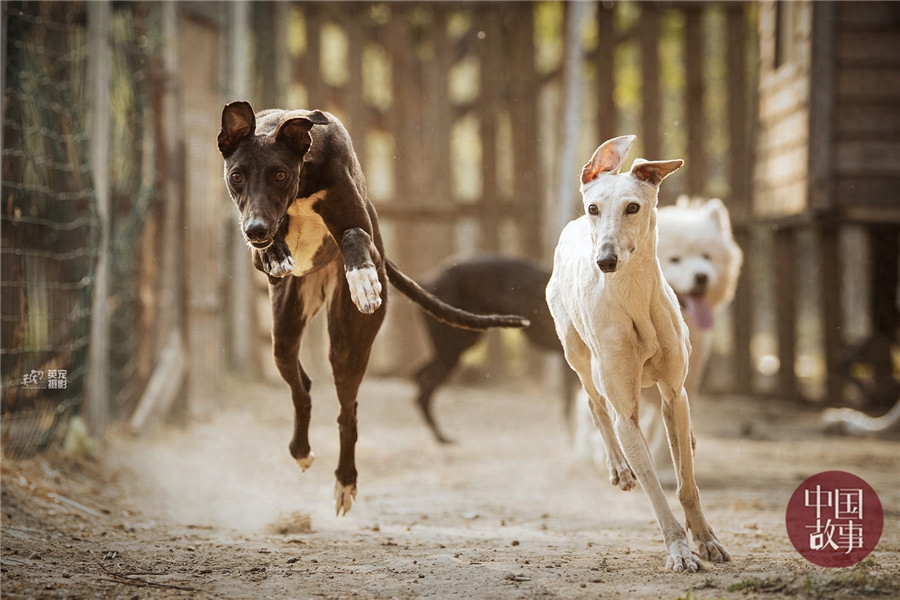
<point>263,163</point>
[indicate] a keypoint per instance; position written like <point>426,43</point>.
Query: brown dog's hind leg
<point>351,335</point>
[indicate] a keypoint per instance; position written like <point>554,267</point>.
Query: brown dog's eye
<point>237,178</point>
<point>633,208</point>
<point>280,176</point>
<point>592,208</point>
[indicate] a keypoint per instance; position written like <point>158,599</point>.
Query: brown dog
<point>304,210</point>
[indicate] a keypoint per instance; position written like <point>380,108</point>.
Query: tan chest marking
<point>306,231</point>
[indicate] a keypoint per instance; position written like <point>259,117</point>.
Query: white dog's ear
<point>716,210</point>
<point>654,171</point>
<point>608,158</point>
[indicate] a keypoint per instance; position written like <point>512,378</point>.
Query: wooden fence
<point>457,113</point>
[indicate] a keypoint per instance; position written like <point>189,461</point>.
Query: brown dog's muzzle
<point>256,232</point>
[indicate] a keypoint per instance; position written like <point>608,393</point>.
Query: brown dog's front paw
<point>276,259</point>
<point>365,289</point>
<point>280,268</point>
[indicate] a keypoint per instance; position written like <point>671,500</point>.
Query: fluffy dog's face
<point>698,256</point>
<point>620,208</point>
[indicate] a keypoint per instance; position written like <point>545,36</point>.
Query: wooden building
<point>828,157</point>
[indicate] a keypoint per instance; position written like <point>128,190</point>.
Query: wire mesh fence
<point>49,219</point>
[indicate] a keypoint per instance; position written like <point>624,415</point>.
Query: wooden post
<point>203,223</point>
<point>786,311</point>
<point>607,116</point>
<point>830,274</point>
<point>694,61</point>
<point>651,101</point>
<point>567,171</point>
<point>884,243</point>
<point>242,324</point>
<point>740,174</point>
<point>489,48</point>
<point>527,180</point>
<point>822,179</point>
<point>96,407</point>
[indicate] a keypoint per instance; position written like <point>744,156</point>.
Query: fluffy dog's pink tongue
<point>699,311</point>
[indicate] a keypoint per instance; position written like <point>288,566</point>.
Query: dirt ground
<point>219,510</point>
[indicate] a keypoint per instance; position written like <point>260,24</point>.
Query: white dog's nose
<point>608,263</point>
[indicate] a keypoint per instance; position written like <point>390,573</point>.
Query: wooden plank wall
<point>828,156</point>
<point>867,111</point>
<point>780,187</point>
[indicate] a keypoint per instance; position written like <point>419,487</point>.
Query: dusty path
<point>219,510</point>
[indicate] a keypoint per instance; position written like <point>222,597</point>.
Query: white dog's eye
<point>706,256</point>
<point>592,208</point>
<point>632,208</point>
<point>675,259</point>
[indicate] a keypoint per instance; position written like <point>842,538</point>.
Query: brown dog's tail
<point>444,312</point>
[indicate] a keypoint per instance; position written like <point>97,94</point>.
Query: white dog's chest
<point>307,233</point>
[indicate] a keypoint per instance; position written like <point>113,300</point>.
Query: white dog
<point>621,328</point>
<point>702,263</point>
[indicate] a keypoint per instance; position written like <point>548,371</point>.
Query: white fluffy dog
<point>702,263</point>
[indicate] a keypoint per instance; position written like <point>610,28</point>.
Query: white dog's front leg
<point>620,473</point>
<point>681,557</point>
<point>676,413</point>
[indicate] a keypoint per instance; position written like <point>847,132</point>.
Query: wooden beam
<point>694,57</point>
<point>96,405</point>
<point>830,286</point>
<point>651,100</point>
<point>786,311</point>
<point>607,115</point>
<point>527,176</point>
<point>740,174</point>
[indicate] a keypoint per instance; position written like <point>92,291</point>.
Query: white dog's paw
<point>682,559</point>
<point>281,268</point>
<point>306,462</point>
<point>621,475</point>
<point>344,495</point>
<point>712,550</point>
<point>365,289</point>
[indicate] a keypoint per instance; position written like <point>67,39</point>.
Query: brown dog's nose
<point>255,230</point>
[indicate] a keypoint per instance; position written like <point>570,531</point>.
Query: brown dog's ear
<point>238,123</point>
<point>654,171</point>
<point>608,158</point>
<point>295,132</point>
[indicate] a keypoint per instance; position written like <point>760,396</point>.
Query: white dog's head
<point>621,208</point>
<point>698,256</point>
